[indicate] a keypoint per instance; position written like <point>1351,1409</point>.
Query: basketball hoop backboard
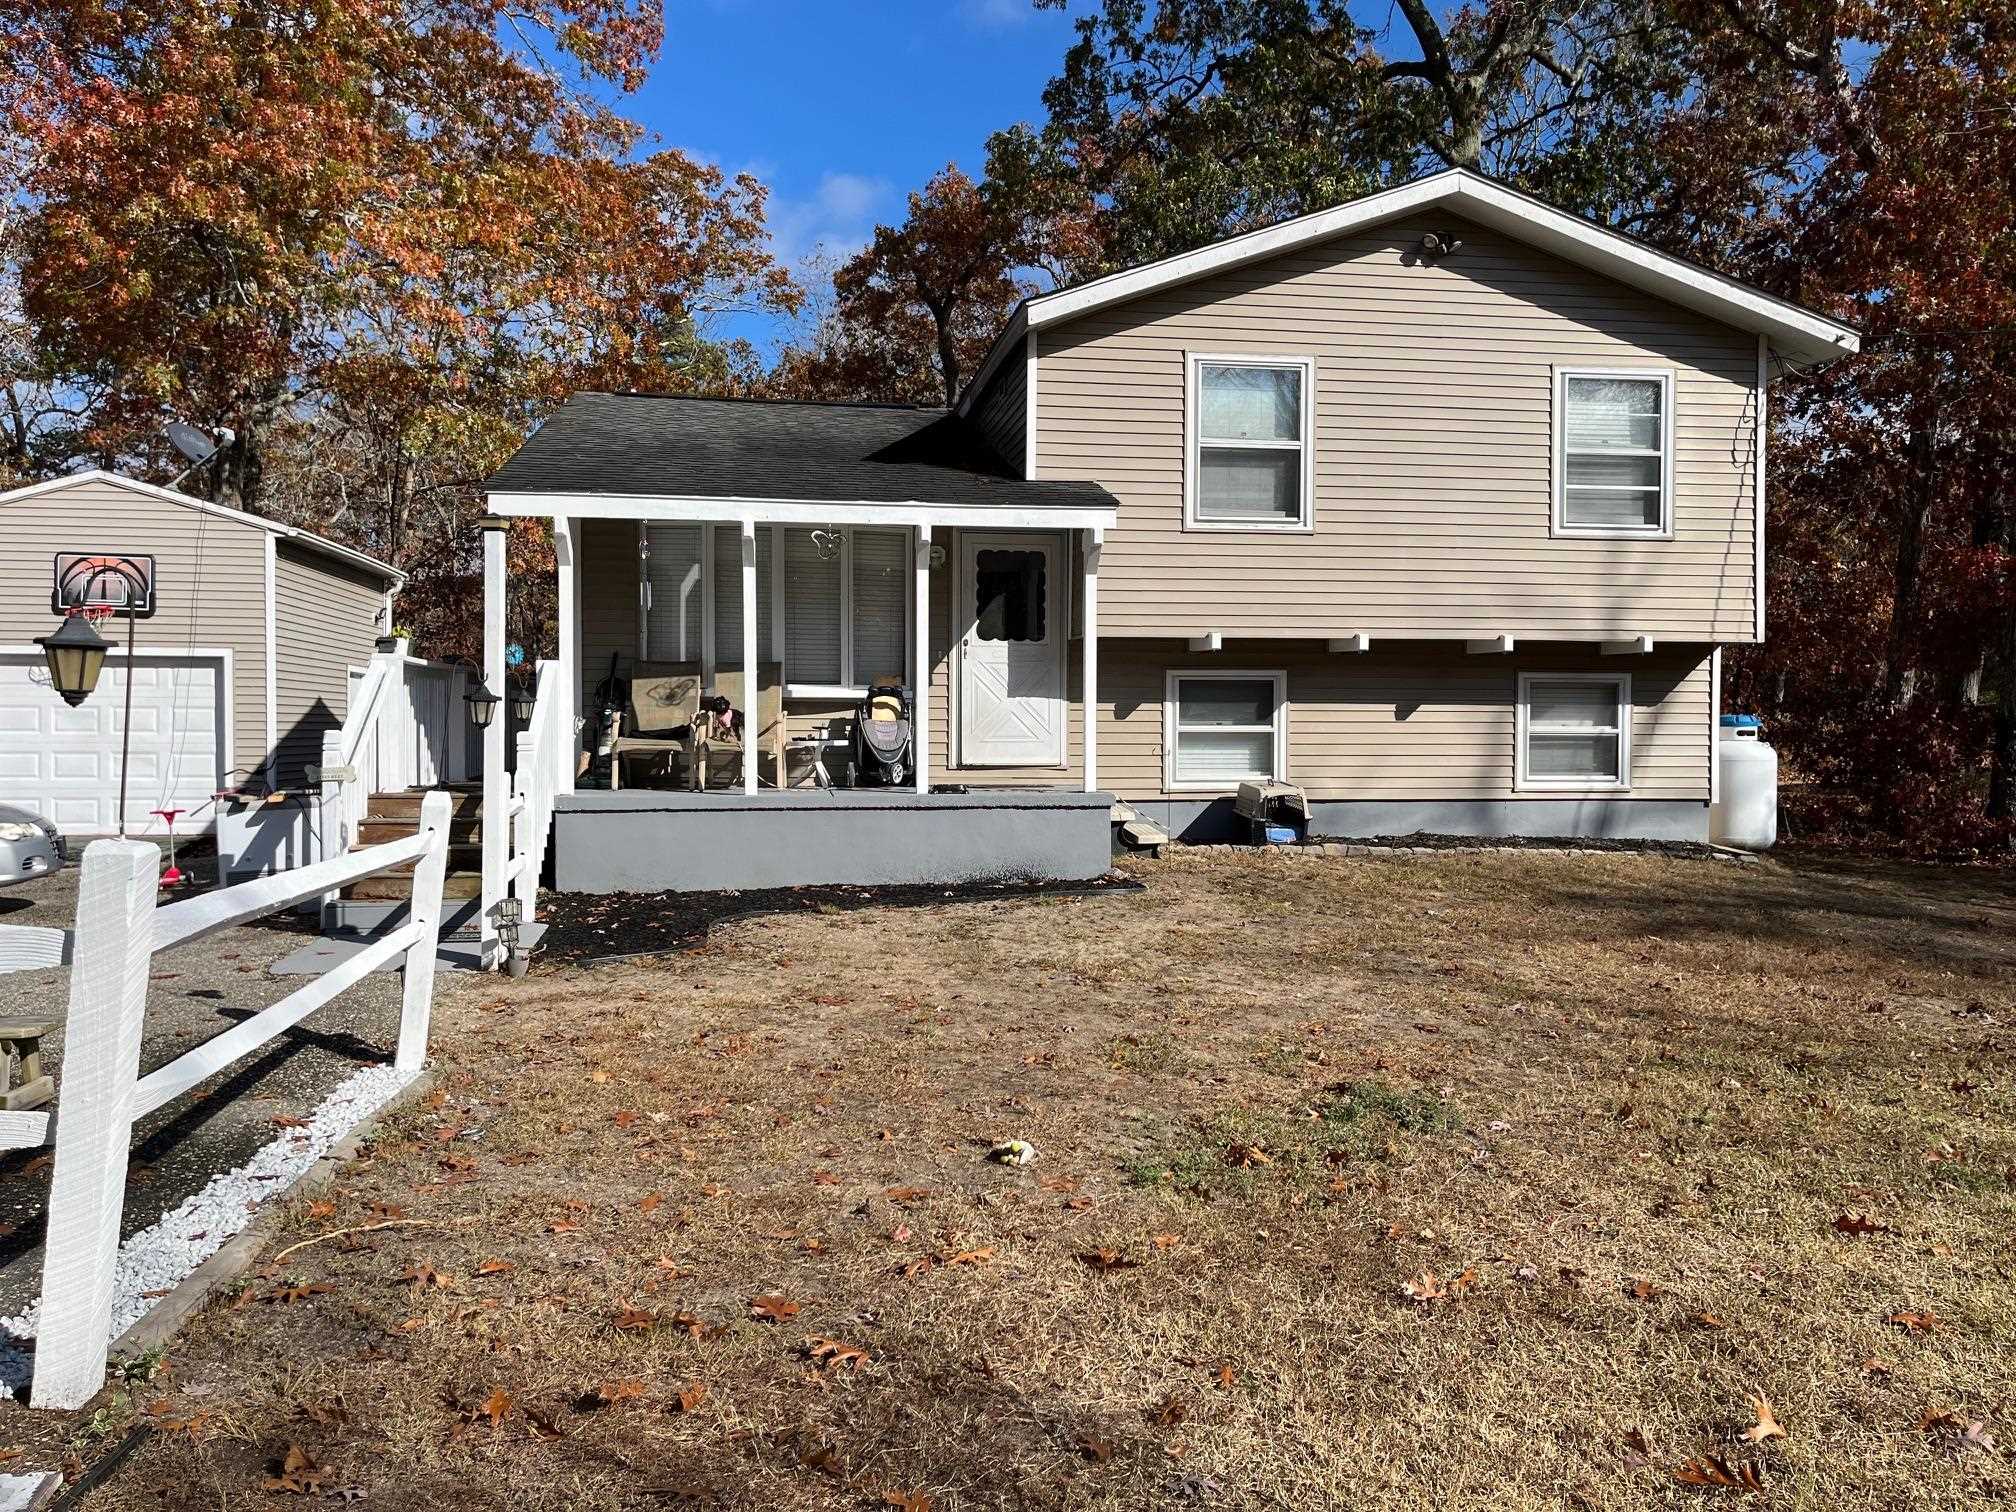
<point>103,582</point>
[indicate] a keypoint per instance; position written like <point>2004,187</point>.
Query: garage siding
<point>328,618</point>
<point>212,576</point>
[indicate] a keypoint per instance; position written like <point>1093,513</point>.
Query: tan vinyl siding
<point>1434,449</point>
<point>1400,722</point>
<point>211,572</point>
<point>1407,720</point>
<point>1003,411</point>
<point>328,618</point>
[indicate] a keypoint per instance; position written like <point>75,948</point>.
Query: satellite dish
<point>197,446</point>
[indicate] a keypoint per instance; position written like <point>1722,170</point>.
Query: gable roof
<point>662,445</point>
<point>393,577</point>
<point>1796,332</point>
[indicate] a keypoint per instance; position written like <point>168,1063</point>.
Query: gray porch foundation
<point>703,842</point>
<point>1535,818</point>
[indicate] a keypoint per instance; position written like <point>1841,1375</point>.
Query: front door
<point>1011,655</point>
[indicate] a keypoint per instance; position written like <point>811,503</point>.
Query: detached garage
<point>238,673</point>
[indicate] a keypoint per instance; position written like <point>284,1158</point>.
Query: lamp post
<point>76,653</point>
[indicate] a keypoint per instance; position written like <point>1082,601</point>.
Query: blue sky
<point>843,106</point>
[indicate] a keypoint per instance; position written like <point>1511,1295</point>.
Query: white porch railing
<point>100,1093</point>
<point>404,729</point>
<point>542,772</point>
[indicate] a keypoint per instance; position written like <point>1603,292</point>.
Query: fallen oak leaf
<point>689,1397</point>
<point>1954,1435</point>
<point>832,1354</point>
<point>1914,1322</point>
<point>296,1293</point>
<point>608,1394</point>
<point>493,1267</point>
<point>298,1475</point>
<point>776,1309</point>
<point>1767,1426</point>
<point>1104,1260</point>
<point>634,1320</point>
<point>1857,1224</point>
<point>1711,1470</point>
<point>908,1501</point>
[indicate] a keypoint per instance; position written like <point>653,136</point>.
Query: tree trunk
<point>1907,572</point>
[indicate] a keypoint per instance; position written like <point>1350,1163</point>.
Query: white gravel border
<point>161,1255</point>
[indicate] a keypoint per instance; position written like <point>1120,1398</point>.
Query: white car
<point>30,845</point>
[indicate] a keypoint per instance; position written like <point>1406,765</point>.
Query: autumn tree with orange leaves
<point>375,244</point>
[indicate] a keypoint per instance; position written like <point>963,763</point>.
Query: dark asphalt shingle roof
<point>763,449</point>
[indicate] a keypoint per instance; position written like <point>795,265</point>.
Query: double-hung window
<point>1613,452</point>
<point>1225,728</point>
<point>1574,730</point>
<point>1248,437</point>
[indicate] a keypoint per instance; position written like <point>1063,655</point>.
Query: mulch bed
<point>590,929</point>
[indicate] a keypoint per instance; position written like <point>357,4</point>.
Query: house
<point>1440,504</point>
<point>243,666</point>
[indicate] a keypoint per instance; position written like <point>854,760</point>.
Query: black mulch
<point>589,929</point>
<point>1686,849</point>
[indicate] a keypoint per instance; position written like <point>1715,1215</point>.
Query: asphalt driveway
<point>196,993</point>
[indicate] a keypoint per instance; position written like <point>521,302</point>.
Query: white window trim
<point>1525,781</point>
<point>1560,526</point>
<point>1193,440</point>
<point>1170,689</point>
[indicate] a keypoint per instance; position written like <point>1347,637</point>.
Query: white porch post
<point>1095,541</point>
<point>567,567</point>
<point>496,781</point>
<point>750,703</point>
<point>921,656</point>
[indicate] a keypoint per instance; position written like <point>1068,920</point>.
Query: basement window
<point>1574,730</point>
<point>1225,728</point>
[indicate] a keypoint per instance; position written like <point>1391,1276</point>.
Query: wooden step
<point>467,804</point>
<point>378,831</point>
<point>390,885</point>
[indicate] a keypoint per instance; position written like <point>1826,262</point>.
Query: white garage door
<point>64,762</point>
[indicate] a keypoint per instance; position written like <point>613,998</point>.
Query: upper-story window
<point>1613,452</point>
<point>1248,429</point>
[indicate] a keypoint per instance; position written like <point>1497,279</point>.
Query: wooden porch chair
<point>764,727</point>
<point>662,718</point>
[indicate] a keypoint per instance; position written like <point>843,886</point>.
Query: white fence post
<point>524,829</point>
<point>435,813</point>
<point>94,1126</point>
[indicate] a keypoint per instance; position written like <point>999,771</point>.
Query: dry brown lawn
<point>1616,1105</point>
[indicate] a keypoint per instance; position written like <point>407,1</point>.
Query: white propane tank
<point>1747,816</point>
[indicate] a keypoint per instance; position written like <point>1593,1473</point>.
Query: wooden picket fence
<point>100,1093</point>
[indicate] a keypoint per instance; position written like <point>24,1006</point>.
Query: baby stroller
<point>880,753</point>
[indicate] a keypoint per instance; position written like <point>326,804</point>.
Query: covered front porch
<point>980,603</point>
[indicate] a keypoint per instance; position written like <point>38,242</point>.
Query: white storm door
<point>64,762</point>
<point>1011,655</point>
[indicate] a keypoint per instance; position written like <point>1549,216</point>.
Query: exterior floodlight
<point>76,655</point>
<point>482,705</point>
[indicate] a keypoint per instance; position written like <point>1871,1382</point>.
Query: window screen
<point>1613,453</point>
<point>1575,731</point>
<point>1249,443</point>
<point>1226,730</point>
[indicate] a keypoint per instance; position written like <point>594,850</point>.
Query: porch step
<point>467,804</point>
<point>377,831</point>
<point>394,885</point>
<point>363,918</point>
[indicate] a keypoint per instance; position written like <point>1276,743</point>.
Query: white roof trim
<point>806,511</point>
<point>1796,332</point>
<point>203,506</point>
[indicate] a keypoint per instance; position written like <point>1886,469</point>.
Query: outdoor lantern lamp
<point>76,655</point>
<point>521,703</point>
<point>482,705</point>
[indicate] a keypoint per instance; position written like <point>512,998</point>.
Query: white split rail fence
<point>101,1093</point>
